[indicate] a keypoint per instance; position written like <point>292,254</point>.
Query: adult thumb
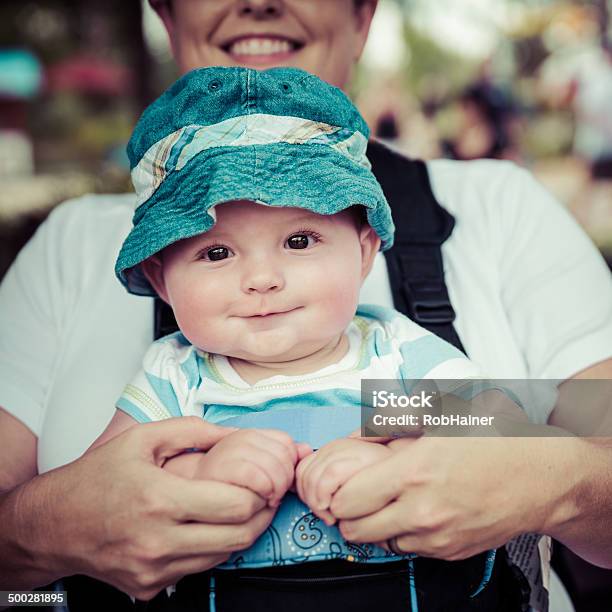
<point>170,437</point>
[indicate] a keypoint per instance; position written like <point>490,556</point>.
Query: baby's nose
<point>263,279</point>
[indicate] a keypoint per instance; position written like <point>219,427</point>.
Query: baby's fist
<point>262,460</point>
<point>319,475</point>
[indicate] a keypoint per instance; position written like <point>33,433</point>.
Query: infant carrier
<point>486,582</point>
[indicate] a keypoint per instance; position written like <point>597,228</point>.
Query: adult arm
<point>557,291</point>
<point>18,444</point>
<point>454,497</point>
<point>451,498</point>
<point>587,410</point>
<point>75,519</point>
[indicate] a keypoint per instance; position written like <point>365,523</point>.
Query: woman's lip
<point>261,35</point>
<point>261,48</point>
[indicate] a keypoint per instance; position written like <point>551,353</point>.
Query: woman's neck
<point>254,371</point>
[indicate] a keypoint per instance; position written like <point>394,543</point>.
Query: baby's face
<point>267,284</point>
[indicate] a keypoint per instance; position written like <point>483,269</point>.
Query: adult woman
<point>503,272</point>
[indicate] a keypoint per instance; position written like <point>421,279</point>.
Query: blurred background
<point>529,81</point>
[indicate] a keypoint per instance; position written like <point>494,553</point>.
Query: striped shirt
<point>178,379</point>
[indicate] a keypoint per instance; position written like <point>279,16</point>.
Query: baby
<point>258,219</point>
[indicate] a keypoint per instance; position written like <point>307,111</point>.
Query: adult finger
<point>167,438</point>
<point>369,490</point>
<point>391,521</point>
<point>194,564</point>
<point>378,439</point>
<point>144,586</point>
<point>210,501</point>
<point>387,433</point>
<point>408,543</point>
<point>198,538</point>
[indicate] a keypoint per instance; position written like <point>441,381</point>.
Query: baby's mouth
<point>261,48</point>
<point>268,314</point>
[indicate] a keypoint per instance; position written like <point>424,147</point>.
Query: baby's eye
<point>300,241</point>
<point>216,253</point>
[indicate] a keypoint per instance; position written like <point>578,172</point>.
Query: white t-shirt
<point>533,299</point>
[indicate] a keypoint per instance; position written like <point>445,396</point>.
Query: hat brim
<point>312,177</point>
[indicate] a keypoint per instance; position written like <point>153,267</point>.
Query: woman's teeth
<point>260,46</point>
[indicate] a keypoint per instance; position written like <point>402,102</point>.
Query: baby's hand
<point>262,460</point>
<point>319,475</point>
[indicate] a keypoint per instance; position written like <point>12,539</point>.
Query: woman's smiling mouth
<point>261,48</point>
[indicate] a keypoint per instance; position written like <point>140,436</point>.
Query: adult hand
<point>115,515</point>
<point>320,474</point>
<point>452,498</point>
<point>262,460</point>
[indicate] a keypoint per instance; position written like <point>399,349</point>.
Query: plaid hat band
<point>174,151</point>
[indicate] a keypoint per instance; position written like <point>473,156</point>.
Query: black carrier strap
<point>416,269</point>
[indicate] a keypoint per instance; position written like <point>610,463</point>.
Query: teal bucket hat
<point>280,137</point>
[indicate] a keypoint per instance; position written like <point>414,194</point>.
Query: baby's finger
<point>276,449</point>
<point>275,469</point>
<point>250,475</point>
<point>273,441</point>
<point>335,474</point>
<point>326,516</point>
<point>303,450</point>
<point>300,471</point>
<point>310,479</point>
<point>284,439</point>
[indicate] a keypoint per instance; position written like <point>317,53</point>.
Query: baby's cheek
<point>342,297</point>
<point>198,324</point>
